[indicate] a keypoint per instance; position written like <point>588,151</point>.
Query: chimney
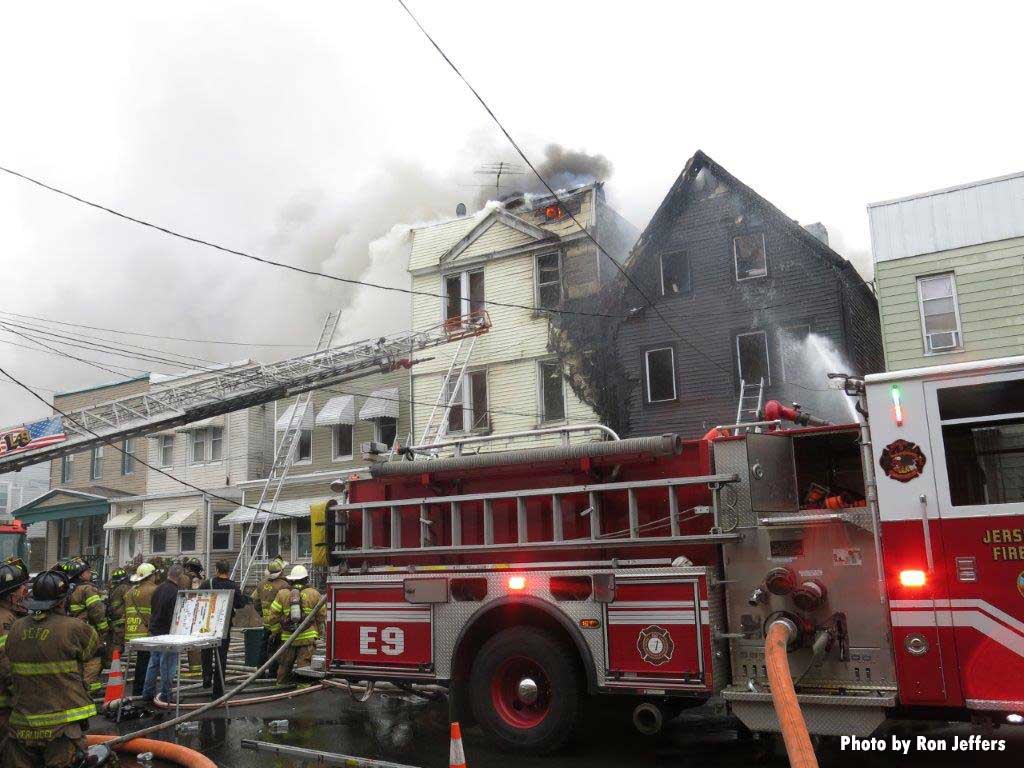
<point>817,229</point>
<point>460,210</point>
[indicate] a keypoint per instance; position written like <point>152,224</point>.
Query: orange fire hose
<point>165,750</point>
<point>787,708</point>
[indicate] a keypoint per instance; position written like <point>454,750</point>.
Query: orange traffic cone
<point>115,680</point>
<point>456,754</point>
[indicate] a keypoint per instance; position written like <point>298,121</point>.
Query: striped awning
<point>338,410</point>
<point>303,419</point>
<point>213,421</point>
<point>284,510</point>
<point>183,518</point>
<point>117,522</point>
<point>381,404</point>
<point>149,520</point>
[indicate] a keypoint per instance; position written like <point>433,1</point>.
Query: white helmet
<point>299,573</point>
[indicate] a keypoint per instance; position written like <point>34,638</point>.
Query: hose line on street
<point>787,707</point>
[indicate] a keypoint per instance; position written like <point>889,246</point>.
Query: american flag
<point>38,434</point>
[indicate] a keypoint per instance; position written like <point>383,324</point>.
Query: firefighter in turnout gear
<point>264,599</point>
<point>87,604</point>
<point>289,608</point>
<point>47,651</point>
<point>13,589</point>
<point>119,586</point>
<point>137,608</point>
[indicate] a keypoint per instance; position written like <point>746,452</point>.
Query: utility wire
<point>66,354</point>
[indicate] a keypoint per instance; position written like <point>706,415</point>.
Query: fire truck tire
<point>519,716</point>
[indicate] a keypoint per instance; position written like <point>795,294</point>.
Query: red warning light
<point>913,578</point>
<point>517,583</point>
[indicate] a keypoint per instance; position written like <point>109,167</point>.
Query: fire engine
<point>887,555</point>
<point>13,540</point>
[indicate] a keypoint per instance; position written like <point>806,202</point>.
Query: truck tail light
<point>517,583</point>
<point>913,578</point>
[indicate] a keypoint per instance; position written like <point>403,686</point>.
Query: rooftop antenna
<point>499,169</point>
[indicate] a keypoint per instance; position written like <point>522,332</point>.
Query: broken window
<point>675,273</point>
<point>752,357</point>
<point>791,345</point>
<point>549,280</point>
<point>453,297</point>
<point>464,294</point>
<point>749,253</point>
<point>661,375</point>
<point>552,393</point>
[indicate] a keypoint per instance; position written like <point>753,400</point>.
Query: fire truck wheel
<point>524,690</point>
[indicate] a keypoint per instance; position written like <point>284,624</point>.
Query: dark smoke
<point>564,168</point>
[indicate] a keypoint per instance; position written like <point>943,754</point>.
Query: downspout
<point>208,510</point>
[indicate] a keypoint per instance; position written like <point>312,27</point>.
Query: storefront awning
<point>117,522</point>
<point>338,410</point>
<point>149,520</point>
<point>183,518</point>
<point>213,421</point>
<point>304,418</point>
<point>293,508</point>
<point>381,404</point>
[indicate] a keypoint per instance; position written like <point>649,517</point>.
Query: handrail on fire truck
<point>633,535</point>
<point>500,437</point>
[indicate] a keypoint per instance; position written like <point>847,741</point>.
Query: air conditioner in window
<point>941,342</point>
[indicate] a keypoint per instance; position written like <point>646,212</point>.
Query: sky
<point>315,133</point>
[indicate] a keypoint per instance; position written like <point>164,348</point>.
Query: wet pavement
<point>415,732</point>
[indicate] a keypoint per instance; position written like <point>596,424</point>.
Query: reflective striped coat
<point>46,652</point>
<point>87,604</point>
<point>280,611</point>
<point>7,619</point>
<point>138,603</point>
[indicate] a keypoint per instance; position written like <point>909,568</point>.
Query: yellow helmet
<point>277,565</point>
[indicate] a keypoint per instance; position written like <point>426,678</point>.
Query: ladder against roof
<point>751,401</point>
<point>252,555</point>
<point>451,389</point>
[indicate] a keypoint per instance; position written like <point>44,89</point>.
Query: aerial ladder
<point>219,392</point>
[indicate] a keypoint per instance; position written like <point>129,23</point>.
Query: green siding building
<point>949,273</point>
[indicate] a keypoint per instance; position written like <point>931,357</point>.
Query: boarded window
<point>453,296</point>
<point>749,253</point>
<point>675,273</point>
<point>752,357</point>
<point>552,392</point>
<point>661,375</point>
<point>549,280</point>
<point>939,314</point>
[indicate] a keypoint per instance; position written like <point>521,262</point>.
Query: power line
<point>284,265</point>
<point>66,354</point>
<point>59,353</point>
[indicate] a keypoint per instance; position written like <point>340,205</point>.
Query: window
<point>549,280</point>
<point>216,443</point>
<point>940,315</point>
<point>64,538</point>
<point>5,498</point>
<point>675,273</point>
<point>469,408</point>
<point>464,294</point>
<point>127,457</point>
<point>661,375</point>
<point>271,539</point>
<point>341,442</point>
<point>158,540</point>
<point>385,430</point>
<point>752,357</point>
<point>187,539</point>
<point>305,451</point>
<point>983,437</point>
<point>198,446</point>
<point>749,254</point>
<point>791,345</point>
<point>67,468</point>
<point>166,450</point>
<point>303,538</point>
<point>96,463</point>
<point>552,391</point>
<point>220,536</point>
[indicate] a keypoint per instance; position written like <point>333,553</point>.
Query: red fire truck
<point>889,554</point>
<point>13,540</point>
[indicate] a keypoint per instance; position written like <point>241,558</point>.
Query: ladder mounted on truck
<point>436,427</point>
<point>219,392</point>
<point>751,401</point>
<point>663,530</point>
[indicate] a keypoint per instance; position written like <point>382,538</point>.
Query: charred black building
<point>739,292</point>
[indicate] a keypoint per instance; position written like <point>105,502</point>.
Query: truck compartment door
<point>372,625</point>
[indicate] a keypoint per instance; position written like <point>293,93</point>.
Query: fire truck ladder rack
<point>253,553</point>
<point>633,536</point>
<point>751,401</point>
<point>220,392</point>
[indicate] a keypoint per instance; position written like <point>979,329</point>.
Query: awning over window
<point>305,418</point>
<point>381,404</point>
<point>149,520</point>
<point>183,518</point>
<point>118,522</point>
<point>213,421</point>
<point>284,510</point>
<point>338,410</point>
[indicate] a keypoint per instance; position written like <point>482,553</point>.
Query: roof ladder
<point>751,401</point>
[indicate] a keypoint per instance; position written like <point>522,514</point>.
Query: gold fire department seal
<point>655,645</point>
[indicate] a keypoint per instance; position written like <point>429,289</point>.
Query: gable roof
<point>682,186</point>
<point>496,216</point>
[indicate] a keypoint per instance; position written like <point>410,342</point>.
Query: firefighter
<point>119,586</point>
<point>13,589</point>
<point>137,604</point>
<point>264,598</point>
<point>87,604</point>
<point>51,706</point>
<point>289,608</point>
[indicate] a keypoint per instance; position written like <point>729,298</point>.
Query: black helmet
<point>48,589</point>
<point>73,567</point>
<point>13,574</point>
<point>118,575</point>
<point>193,565</point>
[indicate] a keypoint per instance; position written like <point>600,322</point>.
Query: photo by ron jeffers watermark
<point>903,746</point>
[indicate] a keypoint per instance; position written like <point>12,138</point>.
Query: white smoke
<point>805,365</point>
